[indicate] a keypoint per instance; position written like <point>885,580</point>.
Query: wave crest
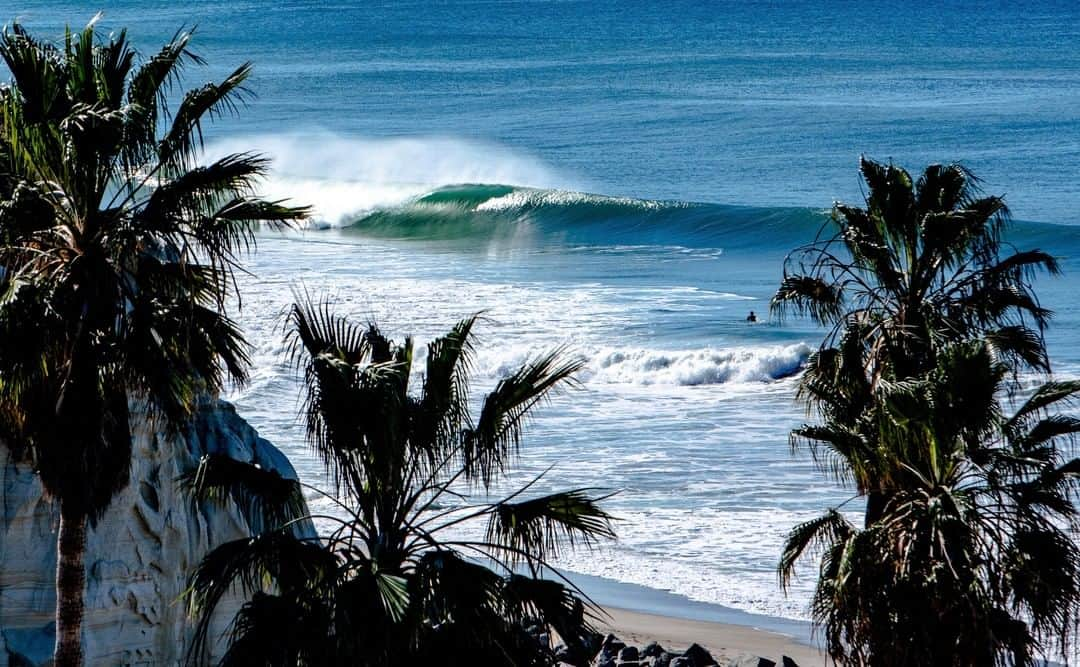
<point>698,367</point>
<point>685,368</point>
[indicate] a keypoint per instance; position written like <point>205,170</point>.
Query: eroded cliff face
<point>139,555</point>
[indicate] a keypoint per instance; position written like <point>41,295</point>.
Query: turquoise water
<point>625,178</point>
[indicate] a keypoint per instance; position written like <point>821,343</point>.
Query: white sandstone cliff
<point>139,556</point>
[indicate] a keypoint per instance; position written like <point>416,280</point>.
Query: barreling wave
<point>399,188</point>
<point>472,212</point>
<point>490,211</point>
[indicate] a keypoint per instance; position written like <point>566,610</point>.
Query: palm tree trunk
<point>70,588</point>
<point>875,507</point>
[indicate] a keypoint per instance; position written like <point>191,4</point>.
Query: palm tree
<point>116,259</point>
<point>920,267</point>
<point>972,561</point>
<point>393,584</point>
<point>931,317</point>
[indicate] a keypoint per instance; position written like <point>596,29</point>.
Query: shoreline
<point>640,615</point>
<point>724,641</point>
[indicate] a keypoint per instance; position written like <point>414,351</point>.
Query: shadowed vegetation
<point>922,266</point>
<point>394,583</point>
<point>965,555</point>
<point>116,257</point>
<point>973,560</point>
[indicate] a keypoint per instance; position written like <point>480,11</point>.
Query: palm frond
<point>277,631</point>
<point>808,295</point>
<point>826,531</point>
<point>274,558</point>
<point>444,404</point>
<point>498,431</point>
<point>267,500</point>
<point>1048,394</point>
<point>540,526</point>
<point>178,148</point>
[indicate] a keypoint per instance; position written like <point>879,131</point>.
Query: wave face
<point>553,216</point>
<point>343,178</point>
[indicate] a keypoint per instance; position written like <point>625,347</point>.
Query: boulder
<point>652,650</point>
<point>609,649</point>
<point>628,654</point>
<point>698,656</point>
<point>665,659</point>
<point>788,662</point>
<point>138,556</point>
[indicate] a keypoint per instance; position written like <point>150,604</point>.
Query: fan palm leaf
<point>409,588</point>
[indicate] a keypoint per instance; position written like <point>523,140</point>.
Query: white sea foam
<point>645,367</point>
<point>342,178</point>
<point>697,367</point>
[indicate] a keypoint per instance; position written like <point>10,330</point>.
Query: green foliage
<point>117,251</point>
<point>929,326</point>
<point>389,585</point>
<point>116,258</point>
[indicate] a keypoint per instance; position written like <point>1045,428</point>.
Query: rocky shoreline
<point>610,651</point>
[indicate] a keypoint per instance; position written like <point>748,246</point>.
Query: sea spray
<point>344,177</point>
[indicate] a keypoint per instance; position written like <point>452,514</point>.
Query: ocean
<point>624,178</point>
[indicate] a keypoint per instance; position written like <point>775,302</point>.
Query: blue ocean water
<point>625,178</point>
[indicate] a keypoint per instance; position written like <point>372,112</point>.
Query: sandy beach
<point>723,640</point>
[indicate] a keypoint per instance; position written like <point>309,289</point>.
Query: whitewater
<point>624,179</point>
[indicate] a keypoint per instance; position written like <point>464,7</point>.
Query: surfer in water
<point>751,317</point>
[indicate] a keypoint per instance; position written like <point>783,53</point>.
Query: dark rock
<point>665,659</point>
<point>628,654</point>
<point>652,650</point>
<point>606,662</point>
<point>698,656</point>
<point>629,664</point>
<point>679,661</point>
<point>788,662</point>
<point>748,660</point>
<point>610,648</point>
<point>612,643</point>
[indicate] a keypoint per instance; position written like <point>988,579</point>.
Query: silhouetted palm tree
<point>116,258</point>
<point>973,559</point>
<point>931,317</point>
<point>920,267</point>
<point>389,585</point>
